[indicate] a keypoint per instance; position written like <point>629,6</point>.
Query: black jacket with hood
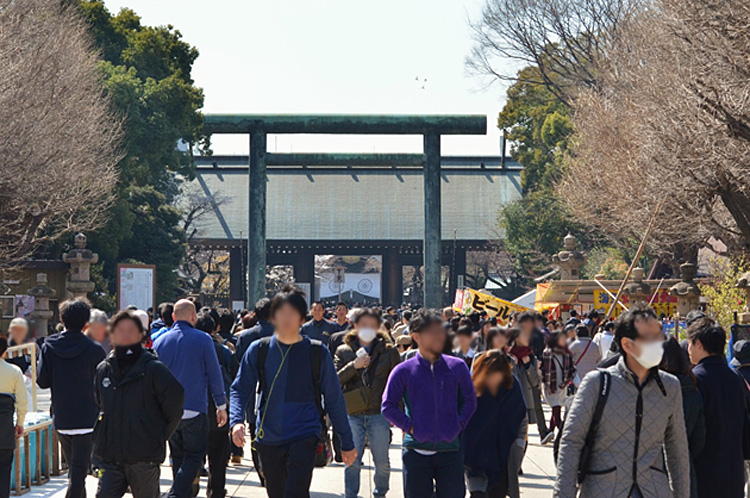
<point>68,365</point>
<point>138,411</point>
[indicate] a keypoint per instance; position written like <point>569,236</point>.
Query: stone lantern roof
<point>686,286</point>
<point>569,252</point>
<point>637,287</point>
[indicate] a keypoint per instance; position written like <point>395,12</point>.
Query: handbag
<point>358,400</point>
<point>324,451</point>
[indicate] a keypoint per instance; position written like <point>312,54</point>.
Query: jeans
<point>378,430</point>
<point>187,447</point>
<point>77,450</point>
<point>289,467</point>
<point>442,473</point>
<point>218,453</point>
<point>6,462</point>
<point>142,477</point>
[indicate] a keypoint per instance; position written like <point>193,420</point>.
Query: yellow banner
<point>663,303</point>
<point>493,306</point>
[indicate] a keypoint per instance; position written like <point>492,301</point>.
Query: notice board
<point>136,286</point>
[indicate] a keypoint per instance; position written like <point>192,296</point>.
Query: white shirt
<point>604,341</point>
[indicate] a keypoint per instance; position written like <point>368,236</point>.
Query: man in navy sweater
<point>190,355</point>
<point>68,367</point>
<point>288,422</point>
<point>319,328</point>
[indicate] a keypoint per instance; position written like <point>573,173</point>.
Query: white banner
<point>365,284</point>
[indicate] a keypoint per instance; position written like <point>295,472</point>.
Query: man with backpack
<point>626,422</point>
<point>296,375</point>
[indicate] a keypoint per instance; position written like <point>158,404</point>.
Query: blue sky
<point>333,56</point>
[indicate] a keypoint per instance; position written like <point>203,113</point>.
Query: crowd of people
<point>634,413</point>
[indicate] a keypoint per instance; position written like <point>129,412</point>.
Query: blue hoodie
<point>189,353</point>
<point>290,410</point>
<point>68,367</point>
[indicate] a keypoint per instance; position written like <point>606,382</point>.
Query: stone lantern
<point>80,260</point>
<point>688,294</point>
<point>637,290</point>
<point>569,260</point>
<point>744,284</point>
<point>41,314</point>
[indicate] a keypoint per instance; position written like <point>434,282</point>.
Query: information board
<point>136,286</point>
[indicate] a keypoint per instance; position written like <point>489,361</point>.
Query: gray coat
<point>662,433</point>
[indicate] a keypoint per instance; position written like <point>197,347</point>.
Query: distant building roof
<point>340,203</point>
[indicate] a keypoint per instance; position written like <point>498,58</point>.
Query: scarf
<point>521,352</point>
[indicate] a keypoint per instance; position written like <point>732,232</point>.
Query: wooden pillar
<point>236,276</point>
<point>393,282</point>
<point>433,294</point>
<point>256,254</point>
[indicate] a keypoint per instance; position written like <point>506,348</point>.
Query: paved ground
<point>242,481</point>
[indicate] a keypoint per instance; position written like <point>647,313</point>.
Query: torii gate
<point>431,127</point>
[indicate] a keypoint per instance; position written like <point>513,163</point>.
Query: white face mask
<point>651,354</point>
<point>367,335</point>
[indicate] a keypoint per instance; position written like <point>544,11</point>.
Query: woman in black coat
<point>494,427</point>
<point>677,362</point>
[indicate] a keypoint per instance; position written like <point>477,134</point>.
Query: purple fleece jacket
<point>439,400</point>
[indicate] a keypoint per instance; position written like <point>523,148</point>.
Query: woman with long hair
<point>677,362</point>
<point>497,425</point>
<point>558,370</point>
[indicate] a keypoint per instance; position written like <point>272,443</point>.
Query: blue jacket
<point>289,412</point>
<point>258,331</point>
<point>189,353</point>
<point>68,367</point>
<point>720,465</point>
<point>439,400</point>
<point>321,330</point>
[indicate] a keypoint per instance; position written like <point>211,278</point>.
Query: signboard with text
<point>136,286</point>
<point>662,303</point>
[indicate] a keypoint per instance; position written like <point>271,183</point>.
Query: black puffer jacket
<point>383,360</point>
<point>138,412</point>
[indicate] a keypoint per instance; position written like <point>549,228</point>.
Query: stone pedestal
<point>41,314</point>
<point>569,260</point>
<point>80,260</point>
<point>688,294</point>
<point>638,291</point>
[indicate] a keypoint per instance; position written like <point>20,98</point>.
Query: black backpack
<point>316,356</point>
<point>605,383</point>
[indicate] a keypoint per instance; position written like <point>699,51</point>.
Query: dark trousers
<point>218,454</point>
<point>187,446</point>
<point>442,473</point>
<point>77,451</point>
<point>288,468</point>
<point>142,477</point>
<point>6,462</point>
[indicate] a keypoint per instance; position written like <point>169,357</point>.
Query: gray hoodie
<point>620,457</point>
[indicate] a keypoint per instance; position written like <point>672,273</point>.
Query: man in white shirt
<point>604,340</point>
